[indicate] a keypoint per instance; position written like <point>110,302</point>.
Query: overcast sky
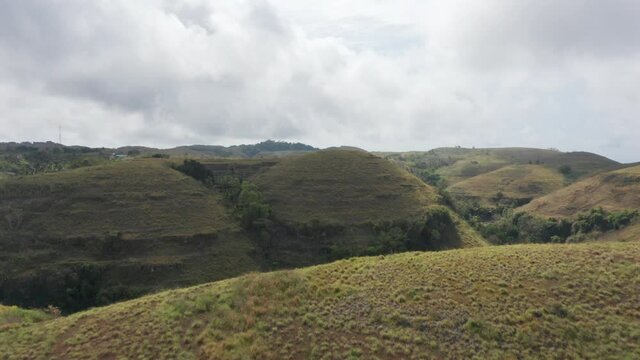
<point>381,75</point>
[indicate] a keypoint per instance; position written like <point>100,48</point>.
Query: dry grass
<point>139,198</point>
<point>510,302</point>
<point>342,187</point>
<point>614,190</point>
<point>514,181</point>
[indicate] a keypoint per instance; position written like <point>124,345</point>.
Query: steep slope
<point>337,203</point>
<point>614,190</point>
<point>519,183</point>
<point>97,234</point>
<point>525,301</point>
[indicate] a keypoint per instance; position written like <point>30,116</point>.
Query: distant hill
<point>457,164</point>
<point>267,148</point>
<point>41,157</point>
<point>614,190</point>
<point>524,301</point>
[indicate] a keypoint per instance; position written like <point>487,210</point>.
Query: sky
<point>389,75</point>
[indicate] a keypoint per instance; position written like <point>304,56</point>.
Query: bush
<point>194,169</point>
<point>251,204</point>
<point>527,228</point>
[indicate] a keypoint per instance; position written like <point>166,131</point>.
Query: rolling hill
<point>457,164</point>
<point>519,183</point>
<point>342,186</point>
<point>338,203</point>
<point>614,190</point>
<point>96,234</point>
<point>523,301</point>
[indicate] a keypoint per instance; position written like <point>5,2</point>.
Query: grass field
<point>509,302</point>
<point>513,181</point>
<point>614,190</point>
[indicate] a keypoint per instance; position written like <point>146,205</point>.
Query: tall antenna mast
<point>59,134</point>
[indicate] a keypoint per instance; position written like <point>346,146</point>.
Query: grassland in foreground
<point>510,302</point>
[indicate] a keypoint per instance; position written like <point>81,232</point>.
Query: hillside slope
<point>139,198</point>
<point>516,182</point>
<point>614,190</point>
<point>338,203</point>
<point>343,186</point>
<point>524,301</point>
<point>93,235</point>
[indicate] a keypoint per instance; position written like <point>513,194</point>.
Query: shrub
<point>251,204</point>
<point>194,169</point>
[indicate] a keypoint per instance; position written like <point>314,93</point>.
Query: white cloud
<point>377,74</point>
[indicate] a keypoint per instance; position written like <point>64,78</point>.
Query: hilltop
<point>523,301</point>
<point>343,186</point>
<point>614,190</point>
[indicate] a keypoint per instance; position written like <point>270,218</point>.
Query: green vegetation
<point>523,301</point>
<point>522,227</point>
<point>13,316</point>
<point>33,158</point>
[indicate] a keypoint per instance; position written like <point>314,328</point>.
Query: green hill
<point>510,302</point>
<point>338,203</point>
<point>342,186</point>
<point>92,235</point>
<point>614,190</point>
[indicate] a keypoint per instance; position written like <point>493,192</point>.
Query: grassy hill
<point>516,182</point>
<point>342,186</point>
<point>96,234</point>
<point>457,164</point>
<point>524,301</point>
<point>338,203</point>
<point>139,198</point>
<point>614,190</point>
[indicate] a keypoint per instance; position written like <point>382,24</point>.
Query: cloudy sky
<point>378,74</point>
